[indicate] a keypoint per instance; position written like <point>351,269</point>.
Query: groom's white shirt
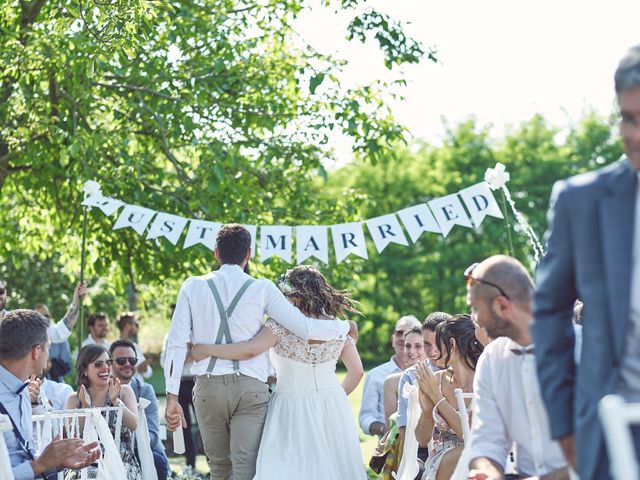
<point>196,319</point>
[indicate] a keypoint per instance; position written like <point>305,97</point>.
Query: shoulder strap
<point>224,330</point>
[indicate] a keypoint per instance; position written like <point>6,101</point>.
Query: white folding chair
<point>462,411</point>
<point>69,423</point>
<point>5,462</point>
<point>616,417</point>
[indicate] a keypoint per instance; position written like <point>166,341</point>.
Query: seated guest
<point>507,406</point>
<point>439,426</point>
<point>372,417</point>
<point>97,388</point>
<point>24,346</point>
<point>124,366</point>
<point>98,324</point>
<point>414,353</point>
<point>433,357</point>
<point>128,326</point>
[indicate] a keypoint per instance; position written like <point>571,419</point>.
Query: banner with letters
<point>468,208</point>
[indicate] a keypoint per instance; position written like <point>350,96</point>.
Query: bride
<point>309,430</point>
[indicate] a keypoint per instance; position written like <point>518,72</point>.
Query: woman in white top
<point>309,431</point>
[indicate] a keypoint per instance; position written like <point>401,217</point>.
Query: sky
<point>501,61</point>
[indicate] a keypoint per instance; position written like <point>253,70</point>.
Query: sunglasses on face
<point>123,361</point>
<point>399,333</point>
<point>3,291</point>
<point>101,363</point>
<point>470,279</point>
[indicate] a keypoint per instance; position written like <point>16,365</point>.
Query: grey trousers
<point>231,410</point>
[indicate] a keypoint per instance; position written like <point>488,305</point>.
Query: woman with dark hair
<point>309,431</point>
<point>98,388</point>
<point>439,421</point>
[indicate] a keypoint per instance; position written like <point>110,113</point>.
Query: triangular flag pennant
<point>202,232</point>
<point>275,240</point>
<point>108,205</point>
<point>134,217</point>
<point>312,241</point>
<point>167,226</point>
<point>449,212</point>
<point>348,238</point>
<point>417,220</point>
<point>480,202</point>
<point>385,230</point>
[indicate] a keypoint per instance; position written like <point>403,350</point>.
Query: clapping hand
<point>428,382</point>
<point>83,396</point>
<point>114,389</point>
<point>34,389</point>
<point>66,453</point>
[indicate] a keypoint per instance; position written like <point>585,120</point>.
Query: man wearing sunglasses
<point>124,357</point>
<point>593,253</point>
<point>372,419</point>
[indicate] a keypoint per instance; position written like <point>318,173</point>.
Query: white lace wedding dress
<point>309,432</point>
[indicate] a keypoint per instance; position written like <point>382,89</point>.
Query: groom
<point>230,397</point>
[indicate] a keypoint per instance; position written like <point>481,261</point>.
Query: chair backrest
<point>616,417</point>
<point>5,462</point>
<point>69,423</point>
<point>463,411</point>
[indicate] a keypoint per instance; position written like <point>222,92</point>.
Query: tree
<point>204,108</point>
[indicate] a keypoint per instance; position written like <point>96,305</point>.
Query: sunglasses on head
<point>123,361</point>
<point>102,363</point>
<point>470,279</point>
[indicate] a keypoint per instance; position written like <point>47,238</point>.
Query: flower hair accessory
<point>284,284</point>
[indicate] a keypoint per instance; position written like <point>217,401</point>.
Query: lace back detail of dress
<point>291,346</point>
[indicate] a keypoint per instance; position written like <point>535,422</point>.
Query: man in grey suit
<point>593,254</point>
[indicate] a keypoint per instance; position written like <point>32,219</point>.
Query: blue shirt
<point>18,406</point>
<point>144,390</point>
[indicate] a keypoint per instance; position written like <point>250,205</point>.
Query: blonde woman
<point>309,430</point>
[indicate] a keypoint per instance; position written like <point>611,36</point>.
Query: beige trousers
<point>231,410</point>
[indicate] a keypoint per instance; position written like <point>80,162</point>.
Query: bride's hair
<point>307,288</point>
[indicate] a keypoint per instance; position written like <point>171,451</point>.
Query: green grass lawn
<point>367,443</point>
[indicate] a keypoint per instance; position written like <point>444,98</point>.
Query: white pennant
<point>253,230</point>
<point>385,230</point>
<point>203,232</point>
<point>275,240</point>
<point>480,202</point>
<point>167,226</point>
<point>348,238</point>
<point>417,220</point>
<point>312,241</point>
<point>108,205</point>
<point>449,211</point>
<point>134,217</point>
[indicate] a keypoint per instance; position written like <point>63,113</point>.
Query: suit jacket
<point>588,257</point>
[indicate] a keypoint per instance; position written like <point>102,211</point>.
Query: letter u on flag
<point>312,241</point>
<point>134,217</point>
<point>348,238</point>
<point>275,240</point>
<point>385,230</point>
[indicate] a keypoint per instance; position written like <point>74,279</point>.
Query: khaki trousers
<point>231,410</point>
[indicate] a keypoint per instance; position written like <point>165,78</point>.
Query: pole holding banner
<point>91,189</point>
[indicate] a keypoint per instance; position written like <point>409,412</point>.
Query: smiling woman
<point>98,388</point>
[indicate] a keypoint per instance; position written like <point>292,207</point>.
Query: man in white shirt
<point>508,406</point>
<point>230,398</point>
<point>371,416</point>
<point>98,330</point>
<point>58,332</point>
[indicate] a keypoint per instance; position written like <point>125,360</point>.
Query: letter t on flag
<point>348,238</point>
<point>201,231</point>
<point>275,240</point>
<point>312,241</point>
<point>385,230</point>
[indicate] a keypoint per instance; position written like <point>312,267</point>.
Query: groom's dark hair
<point>233,242</point>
